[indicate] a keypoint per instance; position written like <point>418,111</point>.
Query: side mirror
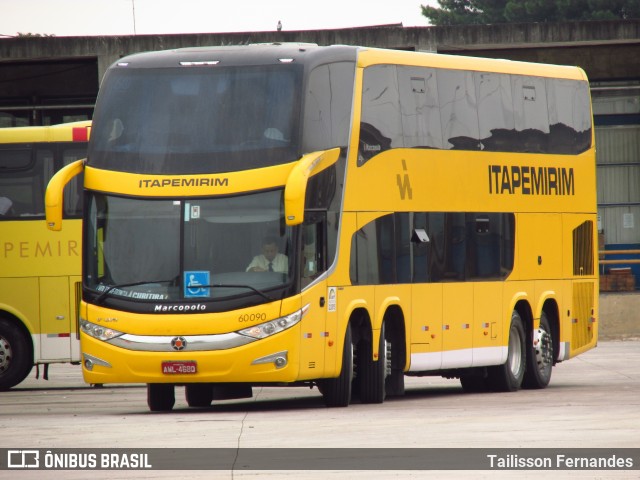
<point>54,195</point>
<point>296,187</point>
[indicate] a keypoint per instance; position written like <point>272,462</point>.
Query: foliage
<point>31,35</point>
<point>466,12</point>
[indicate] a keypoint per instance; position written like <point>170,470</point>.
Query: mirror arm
<point>54,195</point>
<point>296,187</point>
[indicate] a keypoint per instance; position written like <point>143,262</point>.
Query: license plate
<point>179,367</point>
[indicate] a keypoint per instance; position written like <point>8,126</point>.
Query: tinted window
<point>365,256</point>
<point>495,110</point>
<point>381,124</point>
<point>433,247</point>
<point>420,108</point>
<point>73,189</point>
<point>531,115</point>
<point>327,110</point>
<point>197,120</point>
<point>569,116</point>
<point>24,178</point>
<point>327,123</point>
<point>458,109</point>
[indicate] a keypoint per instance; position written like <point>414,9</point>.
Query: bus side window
<point>381,122</point>
<point>421,124</point>
<point>24,180</point>
<point>420,244</point>
<point>73,190</point>
<point>458,110</point>
<point>313,247</point>
<point>530,113</point>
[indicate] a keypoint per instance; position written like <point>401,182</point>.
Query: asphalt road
<point>593,401</point>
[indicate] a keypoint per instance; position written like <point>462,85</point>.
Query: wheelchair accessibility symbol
<point>196,284</point>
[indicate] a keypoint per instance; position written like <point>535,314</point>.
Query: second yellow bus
<point>39,270</point>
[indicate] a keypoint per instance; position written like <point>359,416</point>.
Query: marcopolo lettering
<point>183,182</point>
<point>527,180</point>
<point>198,307</point>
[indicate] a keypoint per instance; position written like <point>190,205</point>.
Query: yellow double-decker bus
<point>338,217</point>
<point>39,269</point>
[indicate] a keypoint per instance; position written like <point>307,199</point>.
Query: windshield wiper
<point>104,294</point>
<point>227,285</point>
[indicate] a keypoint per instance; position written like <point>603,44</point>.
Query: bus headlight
<point>275,326</point>
<point>98,331</point>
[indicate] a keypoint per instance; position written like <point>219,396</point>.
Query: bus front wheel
<point>161,396</point>
<point>336,392</point>
<point>508,376</point>
<point>15,360</point>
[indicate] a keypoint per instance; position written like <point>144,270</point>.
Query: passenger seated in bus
<point>6,206</point>
<point>273,133</point>
<point>270,260</point>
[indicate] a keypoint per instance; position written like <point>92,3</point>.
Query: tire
<point>396,359</point>
<point>161,397</point>
<point>372,374</point>
<point>336,392</point>
<point>539,356</point>
<point>508,377</point>
<point>16,359</point>
<point>198,394</point>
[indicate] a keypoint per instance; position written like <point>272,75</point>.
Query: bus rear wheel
<point>539,356</point>
<point>508,376</point>
<point>396,358</point>
<point>161,396</point>
<point>15,361</point>
<point>372,374</point>
<point>336,392</point>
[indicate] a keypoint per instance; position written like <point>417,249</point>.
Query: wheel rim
<point>5,354</point>
<point>353,371</point>
<point>388,352</point>
<point>543,348</point>
<point>515,352</point>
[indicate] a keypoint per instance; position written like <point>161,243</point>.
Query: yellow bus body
<point>447,325</point>
<point>39,269</point>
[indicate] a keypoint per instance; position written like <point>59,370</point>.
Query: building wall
<point>591,45</point>
<point>41,70</point>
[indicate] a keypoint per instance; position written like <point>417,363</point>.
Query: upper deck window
<point>196,120</point>
<point>422,107</point>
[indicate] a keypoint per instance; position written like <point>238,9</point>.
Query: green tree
<point>466,12</point>
<point>35,35</point>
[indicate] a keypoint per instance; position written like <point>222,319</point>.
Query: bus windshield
<point>199,249</point>
<point>197,120</point>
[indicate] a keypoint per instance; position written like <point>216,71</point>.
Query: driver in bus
<point>270,260</point>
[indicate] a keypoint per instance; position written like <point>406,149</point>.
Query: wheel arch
<point>364,325</point>
<point>361,326</point>
<point>523,307</point>
<point>551,309</point>
<point>389,313</point>
<point>395,327</point>
<point>520,303</point>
